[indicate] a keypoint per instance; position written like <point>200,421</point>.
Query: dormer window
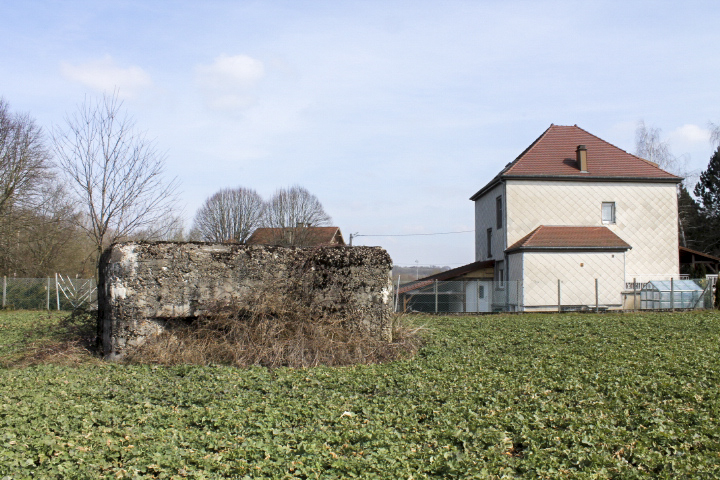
<point>608,212</point>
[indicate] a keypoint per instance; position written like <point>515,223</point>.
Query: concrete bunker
<point>145,285</point>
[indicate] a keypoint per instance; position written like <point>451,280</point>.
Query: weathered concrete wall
<point>143,285</point>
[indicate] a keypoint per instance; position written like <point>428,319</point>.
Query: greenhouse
<point>669,294</point>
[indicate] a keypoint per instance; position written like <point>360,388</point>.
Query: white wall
<point>646,217</point>
<point>577,273</point>
<point>515,276</point>
<point>485,218</point>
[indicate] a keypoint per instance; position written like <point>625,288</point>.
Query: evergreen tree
<point>690,222</point>
<point>708,192</point>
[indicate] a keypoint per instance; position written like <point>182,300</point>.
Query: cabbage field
<point>498,396</point>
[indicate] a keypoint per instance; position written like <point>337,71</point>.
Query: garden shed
<point>667,294</point>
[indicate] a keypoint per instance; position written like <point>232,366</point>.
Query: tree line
<point>233,214</point>
<point>97,179</point>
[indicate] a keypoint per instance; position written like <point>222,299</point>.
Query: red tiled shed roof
<point>312,236</point>
<point>553,155</point>
<point>447,275</point>
<point>570,238</point>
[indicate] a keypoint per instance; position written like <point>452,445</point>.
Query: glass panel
<point>608,212</point>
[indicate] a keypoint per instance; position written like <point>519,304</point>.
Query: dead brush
<point>276,326</point>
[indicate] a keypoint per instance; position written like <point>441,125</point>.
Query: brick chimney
<point>581,154</point>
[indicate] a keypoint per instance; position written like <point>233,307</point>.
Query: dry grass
<point>276,327</point>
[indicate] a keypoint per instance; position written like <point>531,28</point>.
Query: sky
<point>393,113</point>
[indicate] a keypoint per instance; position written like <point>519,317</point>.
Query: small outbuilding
<point>668,294</point>
<point>461,290</point>
<point>691,260</point>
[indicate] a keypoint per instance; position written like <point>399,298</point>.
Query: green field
<point>502,396</point>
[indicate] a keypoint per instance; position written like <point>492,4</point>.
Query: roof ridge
<point>625,151</point>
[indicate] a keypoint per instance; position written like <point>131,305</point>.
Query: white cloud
<point>105,75</point>
<point>689,133</point>
<point>231,72</point>
<point>227,81</point>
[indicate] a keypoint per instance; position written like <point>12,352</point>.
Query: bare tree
<point>24,160</point>
<point>714,134</point>
<point>114,171</point>
<point>51,240</point>
<point>170,228</point>
<point>25,177</point>
<point>290,212</point>
<point>649,146</point>
<point>230,215</point>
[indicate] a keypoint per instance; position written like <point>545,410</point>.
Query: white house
<point>574,208</point>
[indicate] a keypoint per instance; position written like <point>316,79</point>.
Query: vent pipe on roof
<point>581,154</point>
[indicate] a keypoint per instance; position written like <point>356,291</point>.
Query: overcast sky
<point>392,112</point>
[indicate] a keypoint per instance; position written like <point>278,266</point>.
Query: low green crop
<point>502,396</point>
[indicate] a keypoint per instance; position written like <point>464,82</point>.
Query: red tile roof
<point>570,238</point>
<point>553,155</point>
<point>311,236</point>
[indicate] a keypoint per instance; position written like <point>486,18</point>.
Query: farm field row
<point>497,396</point>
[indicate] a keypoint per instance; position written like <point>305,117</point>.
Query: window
<point>500,274</point>
<point>489,242</point>
<point>608,212</point>
<point>481,291</point>
<point>498,212</point>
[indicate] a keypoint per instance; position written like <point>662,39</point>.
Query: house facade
<point>575,209</point>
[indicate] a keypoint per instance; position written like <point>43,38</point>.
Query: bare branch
<point>24,160</point>
<point>649,146</point>
<point>229,215</point>
<point>714,134</point>
<point>114,171</point>
<point>294,209</point>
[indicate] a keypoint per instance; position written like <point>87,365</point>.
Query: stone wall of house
<point>143,286</point>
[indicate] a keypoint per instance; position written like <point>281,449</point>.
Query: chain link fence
<point>56,293</point>
<point>478,295</point>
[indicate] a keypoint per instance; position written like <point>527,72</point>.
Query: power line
<point>440,264</point>
<point>412,234</point>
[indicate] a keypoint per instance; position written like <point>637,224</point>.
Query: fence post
<point>57,292</point>
<point>436,297</point>
<point>597,297</point>
<point>559,297</point>
<point>47,292</point>
<point>463,284</point>
<point>635,294</point>
<point>4,290</point>
<point>672,294</point>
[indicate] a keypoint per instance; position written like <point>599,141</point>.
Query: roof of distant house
<point>553,156</point>
<point>547,237</point>
<point>312,236</point>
